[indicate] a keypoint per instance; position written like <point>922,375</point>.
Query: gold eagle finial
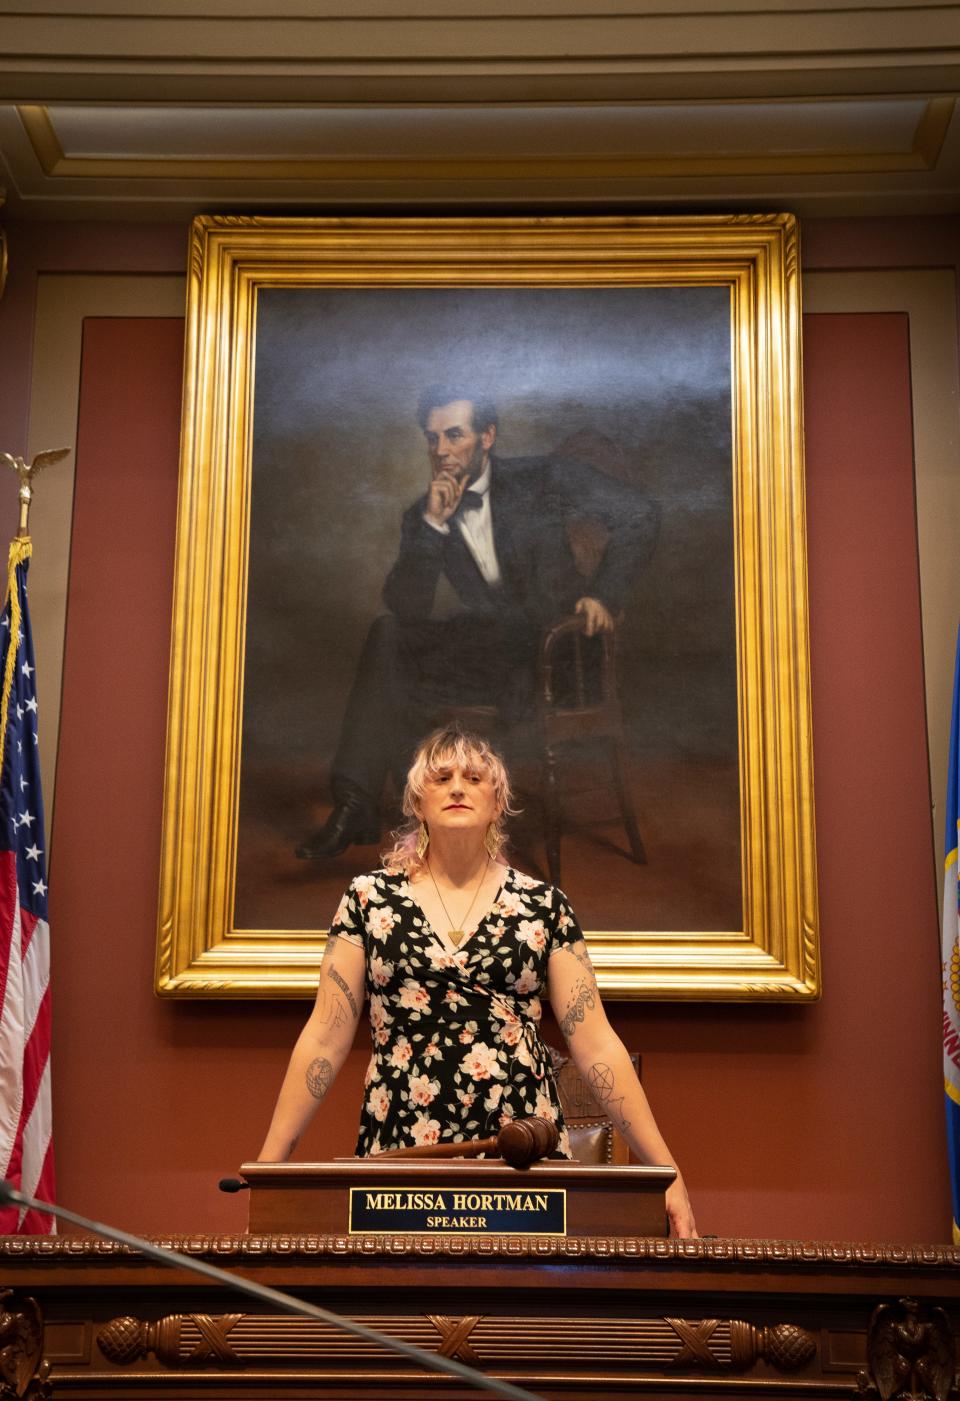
<point>26,473</point>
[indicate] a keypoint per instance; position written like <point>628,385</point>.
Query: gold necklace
<point>455,935</point>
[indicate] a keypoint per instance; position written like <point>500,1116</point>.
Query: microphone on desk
<point>10,1196</point>
<point>233,1184</point>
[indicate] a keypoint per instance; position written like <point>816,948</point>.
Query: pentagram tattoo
<point>341,984</point>
<point>584,997</point>
<point>602,1083</point>
<point>319,1077</point>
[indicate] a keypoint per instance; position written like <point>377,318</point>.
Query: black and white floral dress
<point>456,1031</point>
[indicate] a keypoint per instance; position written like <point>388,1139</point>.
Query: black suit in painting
<point>451,639</point>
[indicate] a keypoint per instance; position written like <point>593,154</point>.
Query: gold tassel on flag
<point>20,551</point>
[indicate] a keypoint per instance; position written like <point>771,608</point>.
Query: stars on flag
<point>22,787</point>
<point>21,818</point>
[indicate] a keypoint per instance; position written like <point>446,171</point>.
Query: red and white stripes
<point>26,1150</point>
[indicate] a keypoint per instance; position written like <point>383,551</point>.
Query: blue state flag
<point>951,955</point>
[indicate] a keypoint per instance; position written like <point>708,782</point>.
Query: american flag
<point>26,1139</point>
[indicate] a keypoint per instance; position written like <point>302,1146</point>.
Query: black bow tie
<point>471,501</point>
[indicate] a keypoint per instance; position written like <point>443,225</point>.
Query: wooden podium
<point>474,1197</point>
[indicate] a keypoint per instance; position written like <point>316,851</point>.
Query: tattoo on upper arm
<point>584,999</point>
<point>603,1085</point>
<point>330,1011</point>
<point>319,1077</point>
<point>582,955</point>
<point>580,952</point>
<point>342,985</point>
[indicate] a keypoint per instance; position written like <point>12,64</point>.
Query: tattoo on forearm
<point>342,985</point>
<point>319,1077</point>
<point>603,1085</point>
<point>600,1077</point>
<point>584,998</point>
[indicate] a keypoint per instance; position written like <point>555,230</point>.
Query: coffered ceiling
<point>107,111</point>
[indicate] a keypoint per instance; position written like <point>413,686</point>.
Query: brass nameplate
<point>470,1211</point>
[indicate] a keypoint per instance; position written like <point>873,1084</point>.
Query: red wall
<point>823,1121</point>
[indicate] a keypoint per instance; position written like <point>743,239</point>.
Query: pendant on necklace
<point>455,935</point>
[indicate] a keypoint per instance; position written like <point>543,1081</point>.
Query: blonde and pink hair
<point>446,748</point>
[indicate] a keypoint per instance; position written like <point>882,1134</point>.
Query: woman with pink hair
<point>454,949</point>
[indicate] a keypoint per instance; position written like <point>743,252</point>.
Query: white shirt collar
<point>482,483</point>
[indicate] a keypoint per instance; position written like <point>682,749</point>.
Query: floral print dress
<point>456,1031</point>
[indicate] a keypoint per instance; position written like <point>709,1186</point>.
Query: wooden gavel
<point>519,1143</point>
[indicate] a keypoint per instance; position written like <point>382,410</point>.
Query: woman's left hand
<point>679,1211</point>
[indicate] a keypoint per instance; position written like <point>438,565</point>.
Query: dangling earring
<point>423,841</point>
<point>491,841</point>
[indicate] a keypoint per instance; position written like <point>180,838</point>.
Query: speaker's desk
<point>566,1316</point>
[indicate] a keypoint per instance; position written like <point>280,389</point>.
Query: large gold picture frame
<point>236,266</point>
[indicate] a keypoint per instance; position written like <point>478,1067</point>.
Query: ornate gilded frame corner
<point>776,955</point>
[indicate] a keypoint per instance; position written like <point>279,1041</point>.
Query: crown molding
<point>534,50</point>
<point>928,139</point>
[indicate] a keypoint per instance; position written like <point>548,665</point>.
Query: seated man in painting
<point>484,566</point>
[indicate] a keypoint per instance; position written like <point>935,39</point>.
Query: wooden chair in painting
<point>582,706</point>
<point>576,703</point>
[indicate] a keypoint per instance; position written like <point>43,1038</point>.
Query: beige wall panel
<point>930,300</point>
<point>63,301</point>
